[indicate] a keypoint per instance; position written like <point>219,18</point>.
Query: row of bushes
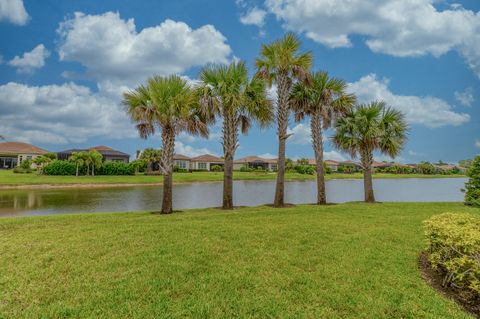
<point>58,167</point>
<point>454,250</point>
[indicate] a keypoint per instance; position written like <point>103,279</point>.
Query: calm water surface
<point>202,195</point>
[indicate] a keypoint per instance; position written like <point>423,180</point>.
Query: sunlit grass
<point>7,177</point>
<point>337,261</point>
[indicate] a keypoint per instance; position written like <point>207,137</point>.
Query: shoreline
<point>119,185</point>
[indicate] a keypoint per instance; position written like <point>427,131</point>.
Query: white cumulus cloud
<point>466,97</point>
<point>30,61</point>
<point>396,27</point>
<point>254,16</point>
<point>13,11</point>
<point>190,151</point>
<point>60,114</point>
<point>112,49</point>
<point>477,143</point>
<point>426,110</point>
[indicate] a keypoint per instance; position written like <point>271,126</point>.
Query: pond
<point>201,195</point>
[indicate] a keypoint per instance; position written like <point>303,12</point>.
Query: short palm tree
<point>323,99</point>
<point>369,128</point>
<point>78,158</point>
<point>227,92</point>
<point>280,62</point>
<point>95,159</point>
<point>167,104</point>
<point>150,156</point>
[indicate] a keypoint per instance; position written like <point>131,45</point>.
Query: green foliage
<point>426,168</point>
<point>216,168</point>
<point>116,168</point>
<point>177,169</point>
<point>26,164</point>
<point>465,163</point>
<point>454,249</point>
<point>58,167</point>
<point>472,187</point>
<point>138,165</point>
<point>245,168</point>
<point>21,170</point>
<point>305,169</point>
<point>399,169</point>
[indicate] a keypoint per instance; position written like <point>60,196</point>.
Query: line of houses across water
<point>13,153</point>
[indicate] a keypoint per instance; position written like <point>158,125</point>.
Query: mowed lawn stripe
<point>338,261</point>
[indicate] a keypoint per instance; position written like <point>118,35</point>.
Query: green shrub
<point>454,249</point>
<point>139,166</point>
<point>116,168</point>
<point>305,169</point>
<point>21,170</point>
<point>177,169</point>
<point>246,169</point>
<point>57,167</point>
<point>472,187</point>
<point>216,168</point>
<point>26,164</point>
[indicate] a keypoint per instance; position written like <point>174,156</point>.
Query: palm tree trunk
<point>317,143</point>
<point>367,160</point>
<point>93,170</point>
<point>229,146</point>
<point>76,173</point>
<point>283,91</point>
<point>168,142</point>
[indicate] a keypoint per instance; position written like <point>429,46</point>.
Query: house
<point>205,162</point>
<point>350,166</point>
<point>181,161</point>
<point>333,165</point>
<point>255,162</point>
<point>108,154</point>
<point>14,153</point>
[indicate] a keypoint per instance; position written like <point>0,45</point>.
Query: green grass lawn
<point>338,261</point>
<point>7,177</point>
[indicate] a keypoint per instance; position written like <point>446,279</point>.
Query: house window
<point>202,165</point>
<point>273,167</point>
<point>29,157</point>
<point>181,164</point>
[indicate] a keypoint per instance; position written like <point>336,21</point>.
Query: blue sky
<point>66,63</point>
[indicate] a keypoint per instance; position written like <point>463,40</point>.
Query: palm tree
<point>323,100</point>
<point>368,128</point>
<point>282,64</point>
<point>95,159</point>
<point>227,92</point>
<point>78,159</point>
<point>150,156</point>
<point>170,105</point>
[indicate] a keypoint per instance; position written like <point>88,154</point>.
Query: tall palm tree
<point>323,99</point>
<point>280,62</point>
<point>368,128</point>
<point>227,92</point>
<point>167,104</point>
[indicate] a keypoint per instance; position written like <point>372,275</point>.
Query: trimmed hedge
<point>58,167</point>
<point>116,168</point>
<point>454,249</point>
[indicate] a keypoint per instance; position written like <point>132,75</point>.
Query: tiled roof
<point>180,157</point>
<point>253,159</point>
<point>207,158</point>
<point>20,148</point>
<point>104,150</point>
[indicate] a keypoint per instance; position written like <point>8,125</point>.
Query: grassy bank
<point>338,261</point>
<point>8,178</point>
